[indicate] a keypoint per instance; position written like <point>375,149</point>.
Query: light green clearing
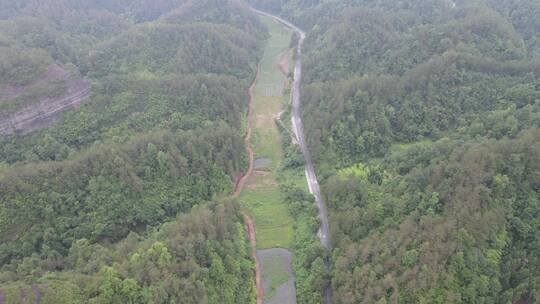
<point>295,177</point>
<point>261,196</point>
<point>400,147</point>
<point>358,170</point>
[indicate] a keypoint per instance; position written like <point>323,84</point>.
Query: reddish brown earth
<point>284,64</point>
<point>43,112</point>
<point>253,242</point>
<point>240,182</point>
<point>247,140</point>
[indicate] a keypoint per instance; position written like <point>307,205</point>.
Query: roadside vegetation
<point>310,272</point>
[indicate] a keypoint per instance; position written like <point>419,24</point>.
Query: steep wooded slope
<point>417,113</point>
<point>158,138</point>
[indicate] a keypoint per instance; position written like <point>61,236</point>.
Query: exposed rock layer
<point>45,111</point>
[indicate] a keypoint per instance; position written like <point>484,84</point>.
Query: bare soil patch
<point>253,241</point>
<point>265,121</point>
<point>37,112</point>
<point>284,63</point>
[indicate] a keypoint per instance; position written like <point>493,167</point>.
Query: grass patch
<point>358,170</point>
<point>270,75</point>
<point>273,223</point>
<point>400,147</point>
<point>295,177</point>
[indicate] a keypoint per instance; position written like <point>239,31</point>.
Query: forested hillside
<point>422,116</point>
<point>83,202</point>
<point>423,119</point>
<point>201,257</point>
<point>174,62</point>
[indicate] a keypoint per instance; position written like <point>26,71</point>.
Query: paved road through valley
<point>300,136</point>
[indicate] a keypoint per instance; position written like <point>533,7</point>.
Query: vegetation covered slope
<point>201,257</point>
<point>178,65</point>
<point>417,113</point>
<point>158,137</point>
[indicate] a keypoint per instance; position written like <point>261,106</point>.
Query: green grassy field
<point>273,222</point>
<point>261,196</point>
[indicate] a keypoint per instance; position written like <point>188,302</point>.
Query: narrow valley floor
<point>260,195</point>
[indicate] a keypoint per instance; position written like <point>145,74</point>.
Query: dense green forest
<point>120,200</point>
<point>201,257</point>
<point>422,117</point>
<point>175,62</point>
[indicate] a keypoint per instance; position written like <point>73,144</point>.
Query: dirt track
<point>240,185</point>
<point>253,242</point>
<point>247,140</point>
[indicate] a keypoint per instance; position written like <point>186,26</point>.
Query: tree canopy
<point>422,117</point>
<point>120,201</point>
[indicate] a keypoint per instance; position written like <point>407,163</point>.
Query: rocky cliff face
<point>43,111</point>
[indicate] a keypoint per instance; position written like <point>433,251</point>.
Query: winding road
<point>300,137</point>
